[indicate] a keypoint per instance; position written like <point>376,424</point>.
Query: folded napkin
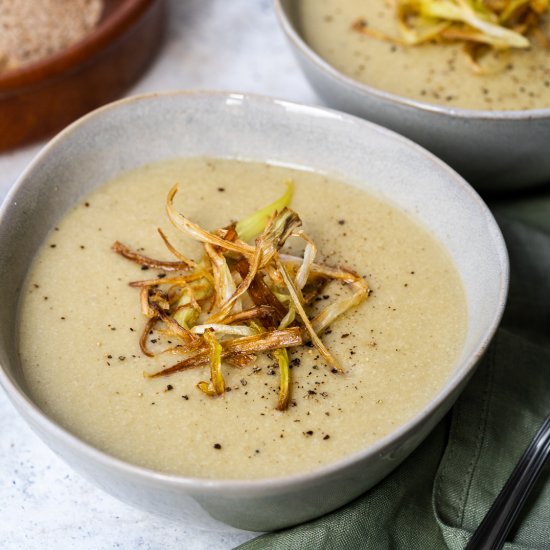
<point>438,496</point>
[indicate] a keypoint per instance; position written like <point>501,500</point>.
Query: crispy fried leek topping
<point>239,300</point>
<point>480,25</point>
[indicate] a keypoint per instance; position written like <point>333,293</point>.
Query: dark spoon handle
<point>492,531</point>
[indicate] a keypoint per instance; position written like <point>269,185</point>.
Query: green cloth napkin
<point>438,496</point>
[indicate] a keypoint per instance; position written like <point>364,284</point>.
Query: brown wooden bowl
<point>39,99</point>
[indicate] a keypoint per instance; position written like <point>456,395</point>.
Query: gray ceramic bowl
<point>493,150</point>
<point>135,131</point>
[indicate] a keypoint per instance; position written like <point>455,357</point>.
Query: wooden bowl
<point>39,99</point>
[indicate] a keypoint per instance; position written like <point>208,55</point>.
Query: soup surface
<point>80,323</point>
<point>432,73</point>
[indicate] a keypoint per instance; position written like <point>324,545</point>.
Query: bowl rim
<point>34,416</point>
<point>108,29</point>
<point>301,45</point>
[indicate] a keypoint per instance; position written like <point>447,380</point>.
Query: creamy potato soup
<point>80,323</point>
<point>432,73</point>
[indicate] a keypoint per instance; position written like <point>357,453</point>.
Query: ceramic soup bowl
<point>493,150</point>
<point>140,130</point>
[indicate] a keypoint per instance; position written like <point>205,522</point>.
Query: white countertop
<point>212,44</point>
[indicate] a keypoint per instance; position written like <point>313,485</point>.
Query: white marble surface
<point>212,44</point>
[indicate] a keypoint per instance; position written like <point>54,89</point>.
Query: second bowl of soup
<point>492,127</point>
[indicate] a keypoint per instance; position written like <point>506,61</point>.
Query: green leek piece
<point>197,290</point>
<point>249,228</point>
<point>284,393</point>
<point>217,384</point>
<point>281,355</point>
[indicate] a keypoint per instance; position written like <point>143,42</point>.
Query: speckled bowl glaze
<point>493,150</point>
<point>135,131</point>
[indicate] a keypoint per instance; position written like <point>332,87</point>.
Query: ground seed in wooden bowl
<point>31,30</point>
